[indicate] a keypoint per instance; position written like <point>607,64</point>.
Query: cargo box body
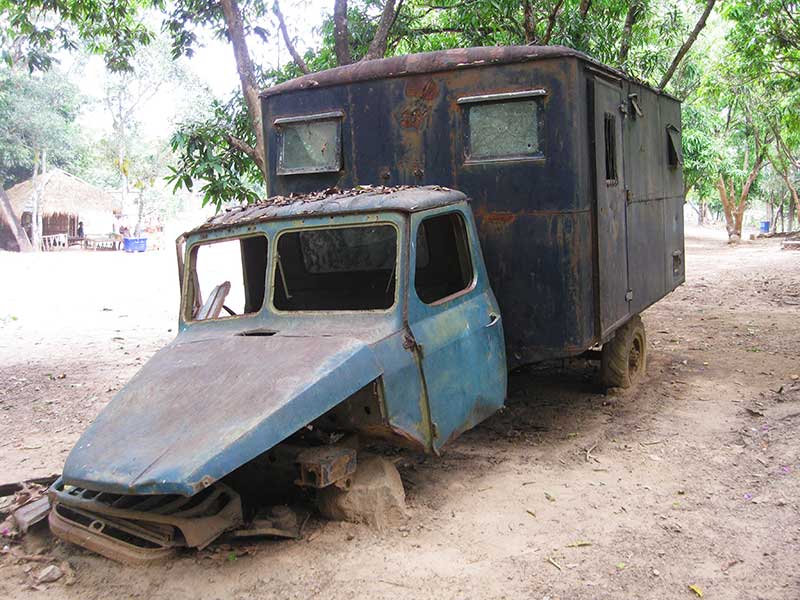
<point>573,170</point>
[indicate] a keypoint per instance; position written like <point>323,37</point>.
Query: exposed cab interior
<point>226,278</point>
<point>336,268</point>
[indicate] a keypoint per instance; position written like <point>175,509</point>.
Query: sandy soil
<point>692,477</point>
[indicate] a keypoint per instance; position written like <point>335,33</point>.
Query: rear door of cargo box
<point>612,236</point>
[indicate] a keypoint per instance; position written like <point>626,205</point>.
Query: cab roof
<point>334,201</point>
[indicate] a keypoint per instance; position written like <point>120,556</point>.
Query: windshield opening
<point>337,268</point>
<point>227,278</point>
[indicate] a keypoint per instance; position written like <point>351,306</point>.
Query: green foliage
<point>32,30</point>
<point>701,151</point>
<point>37,111</point>
<point>205,155</point>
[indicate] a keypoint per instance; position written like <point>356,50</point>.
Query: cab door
<point>456,323</point>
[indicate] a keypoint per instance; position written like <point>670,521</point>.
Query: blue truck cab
<point>367,311</point>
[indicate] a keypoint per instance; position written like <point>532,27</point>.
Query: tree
<point>766,36</point>
<point>127,92</point>
<point>37,128</point>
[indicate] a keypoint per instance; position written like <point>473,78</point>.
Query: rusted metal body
<point>571,254</point>
<point>372,311</point>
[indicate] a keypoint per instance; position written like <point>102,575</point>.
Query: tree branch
<point>551,22</point>
<point>584,8</point>
<point>377,48</point>
<point>634,10</point>
<point>341,35</point>
<point>244,147</point>
<point>298,60</point>
<point>701,23</point>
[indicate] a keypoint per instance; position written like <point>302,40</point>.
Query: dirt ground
<point>691,478</point>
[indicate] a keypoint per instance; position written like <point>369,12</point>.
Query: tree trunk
<point>341,34</point>
<point>529,23</point>
<point>123,167</point>
<point>734,209</point>
<point>7,213</point>
<point>139,213</point>
<point>247,78</point>
<point>701,212</point>
<point>727,207</point>
<point>795,199</point>
<point>791,215</point>
<point>37,182</point>
<point>770,210</point>
<point>701,23</point>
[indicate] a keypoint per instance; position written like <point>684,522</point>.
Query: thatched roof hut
<point>66,201</point>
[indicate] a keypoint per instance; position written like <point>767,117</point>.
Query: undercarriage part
<point>277,521</point>
<point>142,529</point>
<point>326,465</point>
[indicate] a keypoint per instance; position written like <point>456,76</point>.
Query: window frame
<point>674,139</point>
<point>468,102</point>
<point>189,267</point>
<point>279,124</point>
<point>468,237</point>
<point>272,273</point>
<point>611,160</point>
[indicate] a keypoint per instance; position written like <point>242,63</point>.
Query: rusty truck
<point>432,222</point>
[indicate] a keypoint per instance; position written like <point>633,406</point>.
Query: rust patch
<point>420,88</point>
<point>421,94</point>
<point>499,218</point>
<point>412,118</point>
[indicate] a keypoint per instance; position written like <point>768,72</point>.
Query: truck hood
<point>199,409</point>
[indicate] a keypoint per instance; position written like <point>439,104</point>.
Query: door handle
<point>493,319</point>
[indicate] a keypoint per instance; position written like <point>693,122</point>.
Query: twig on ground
<point>589,456</point>
<point>554,563</point>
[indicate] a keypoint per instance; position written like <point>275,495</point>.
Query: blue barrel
<point>764,228</point>
<point>134,244</point>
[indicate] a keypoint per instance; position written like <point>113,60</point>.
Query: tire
<point>624,358</point>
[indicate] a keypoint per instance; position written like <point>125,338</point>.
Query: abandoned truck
<point>393,309</point>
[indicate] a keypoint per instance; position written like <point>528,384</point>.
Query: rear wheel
<point>624,357</point>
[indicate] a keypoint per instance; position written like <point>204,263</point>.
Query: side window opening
<point>505,126</point>
<point>228,278</point>
<point>336,268</point>
<point>309,144</point>
<point>674,151</point>
<point>444,267</point>
<point>610,136</point>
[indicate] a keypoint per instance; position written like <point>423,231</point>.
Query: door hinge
<point>629,295</point>
<point>628,196</point>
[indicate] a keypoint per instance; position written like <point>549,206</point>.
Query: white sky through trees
<point>212,63</point>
